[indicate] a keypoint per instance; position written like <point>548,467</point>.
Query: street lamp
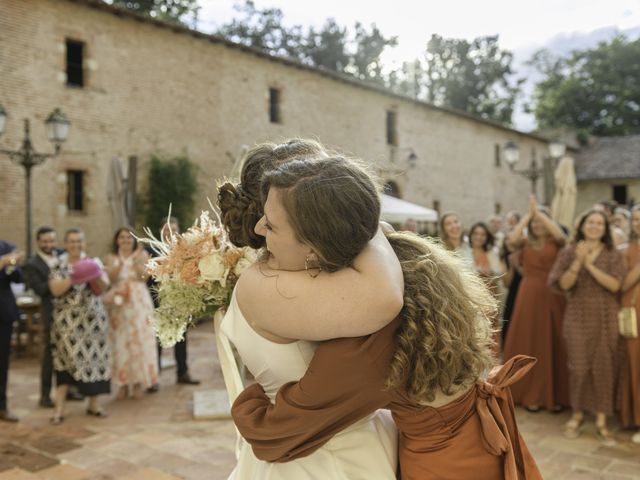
<point>511,153</point>
<point>57,131</point>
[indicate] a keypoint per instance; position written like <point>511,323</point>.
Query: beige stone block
<point>149,474</point>
<point>18,474</point>
<point>64,472</point>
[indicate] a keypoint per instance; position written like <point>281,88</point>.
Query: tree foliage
<point>475,77</point>
<point>595,90</point>
<point>171,181</point>
<point>331,47</point>
<point>180,11</point>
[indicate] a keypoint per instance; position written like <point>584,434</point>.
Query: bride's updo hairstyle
<point>241,205</point>
<point>332,205</point>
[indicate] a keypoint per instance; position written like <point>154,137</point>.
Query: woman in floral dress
<point>130,308</point>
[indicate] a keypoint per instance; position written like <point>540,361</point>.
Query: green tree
<point>595,90</point>
<point>475,77</point>
<point>366,63</point>
<point>179,11</point>
<point>331,47</point>
<point>172,182</point>
<point>264,29</point>
<point>327,47</point>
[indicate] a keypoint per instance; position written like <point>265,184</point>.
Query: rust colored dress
<point>590,328</point>
<point>475,436</point>
<point>536,330</point>
<point>629,392</point>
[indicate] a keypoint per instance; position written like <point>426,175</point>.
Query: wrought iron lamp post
<point>533,172</point>
<point>58,131</point>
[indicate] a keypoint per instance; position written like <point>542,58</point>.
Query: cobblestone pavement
<point>156,438</point>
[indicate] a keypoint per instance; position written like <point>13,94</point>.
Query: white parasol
<point>563,205</point>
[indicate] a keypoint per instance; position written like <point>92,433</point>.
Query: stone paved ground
<point>156,438</point>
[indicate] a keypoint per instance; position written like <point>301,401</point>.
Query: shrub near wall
<point>171,181</point>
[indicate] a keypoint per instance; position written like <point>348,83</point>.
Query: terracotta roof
<point>179,28</point>
<point>609,158</point>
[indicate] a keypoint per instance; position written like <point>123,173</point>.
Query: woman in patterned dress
<point>630,368</point>
<point>591,272</point>
<point>130,308</point>
<point>79,334</point>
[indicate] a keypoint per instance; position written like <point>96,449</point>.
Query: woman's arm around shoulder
<point>351,302</point>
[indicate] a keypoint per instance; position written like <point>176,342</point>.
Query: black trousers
<point>6,329</point>
<point>180,354</point>
<point>46,367</point>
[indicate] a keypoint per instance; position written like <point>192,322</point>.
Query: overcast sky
<point>522,26</point>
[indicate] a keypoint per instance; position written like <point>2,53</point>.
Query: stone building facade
<point>150,87</point>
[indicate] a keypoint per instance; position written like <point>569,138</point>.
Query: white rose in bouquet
<point>212,269</point>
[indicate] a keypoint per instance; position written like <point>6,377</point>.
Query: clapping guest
<point>536,322</point>
<point>591,272</point>
<point>9,273</point>
<point>36,275</point>
<point>630,366</point>
<point>452,236</point>
<point>79,333</point>
<point>130,311</point>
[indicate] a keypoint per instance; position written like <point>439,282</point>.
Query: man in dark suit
<point>180,348</point>
<point>9,313</point>
<point>36,277</point>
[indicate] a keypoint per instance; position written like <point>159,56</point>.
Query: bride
<point>350,291</point>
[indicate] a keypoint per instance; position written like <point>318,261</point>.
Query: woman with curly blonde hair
<point>428,366</point>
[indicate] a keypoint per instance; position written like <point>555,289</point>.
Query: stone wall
<point>151,89</point>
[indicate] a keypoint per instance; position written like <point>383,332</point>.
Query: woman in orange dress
<point>536,323</point>
<point>629,401</point>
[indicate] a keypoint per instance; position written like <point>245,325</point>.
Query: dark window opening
<point>75,190</point>
<point>497,155</point>
<point>274,105</point>
<point>392,133</point>
<point>620,194</point>
<point>391,189</point>
<point>497,208</point>
<point>436,205</point>
<point>75,63</point>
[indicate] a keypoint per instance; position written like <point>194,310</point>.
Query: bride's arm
<point>351,302</point>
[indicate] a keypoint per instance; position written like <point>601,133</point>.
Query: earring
<point>307,267</point>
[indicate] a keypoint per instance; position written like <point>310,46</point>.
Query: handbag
<point>628,319</point>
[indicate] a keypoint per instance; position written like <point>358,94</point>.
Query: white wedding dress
<point>366,450</point>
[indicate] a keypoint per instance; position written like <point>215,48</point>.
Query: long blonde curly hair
<point>445,340</point>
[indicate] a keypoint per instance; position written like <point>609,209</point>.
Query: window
<point>436,205</point>
<point>75,190</point>
<point>75,67</point>
<point>392,133</point>
<point>497,161</point>
<point>497,208</point>
<point>620,194</point>
<point>274,105</point>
